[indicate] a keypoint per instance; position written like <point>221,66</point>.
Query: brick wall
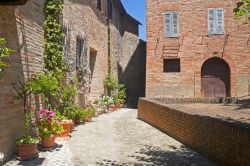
<point>23,30</point>
<point>84,18</point>
<point>194,47</point>
<point>128,54</point>
<point>225,142</point>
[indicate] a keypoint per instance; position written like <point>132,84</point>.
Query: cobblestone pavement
<point>119,138</point>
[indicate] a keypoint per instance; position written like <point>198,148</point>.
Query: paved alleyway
<point>120,139</point>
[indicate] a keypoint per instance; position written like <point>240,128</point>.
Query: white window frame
<point>172,34</point>
<point>215,22</point>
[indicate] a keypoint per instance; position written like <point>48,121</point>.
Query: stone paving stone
<point>119,138</point>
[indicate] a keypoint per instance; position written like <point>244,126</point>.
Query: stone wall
<point>194,46</point>
<point>223,141</point>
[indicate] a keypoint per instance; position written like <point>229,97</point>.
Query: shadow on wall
<point>134,76</point>
<point>152,155</point>
<point>124,22</point>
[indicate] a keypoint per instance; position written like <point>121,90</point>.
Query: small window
<point>215,21</point>
<point>171,66</point>
<point>110,9</point>
<point>79,51</point>
<point>171,21</point>
<point>99,5</point>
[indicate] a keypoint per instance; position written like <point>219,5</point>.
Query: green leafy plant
<point>106,101</point>
<point>74,111</point>
<point>89,112</point>
<point>43,83</point>
<point>47,85</point>
<point>59,117</point>
<point>110,84</point>
<point>26,138</point>
<point>4,53</point>
<point>65,97</point>
<point>242,8</point>
<point>121,94</point>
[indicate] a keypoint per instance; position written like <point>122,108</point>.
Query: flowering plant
<point>47,124</point>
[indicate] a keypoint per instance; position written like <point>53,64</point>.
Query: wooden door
<point>215,78</point>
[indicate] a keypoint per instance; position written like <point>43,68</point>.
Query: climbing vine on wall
<point>54,36</point>
<point>4,53</point>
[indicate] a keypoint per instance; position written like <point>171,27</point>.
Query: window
<point>79,51</point>
<point>215,21</point>
<point>110,9</point>
<point>171,65</point>
<point>66,49</point>
<point>99,5</point>
<point>67,33</point>
<point>171,20</point>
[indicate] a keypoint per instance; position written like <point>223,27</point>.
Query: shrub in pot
<point>74,112</point>
<point>27,145</point>
<point>48,128</point>
<point>107,102</point>
<point>121,96</point>
<point>88,113</point>
<point>66,124</point>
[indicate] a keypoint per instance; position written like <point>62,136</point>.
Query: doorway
<point>215,78</point>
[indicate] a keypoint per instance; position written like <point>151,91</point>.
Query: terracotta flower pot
<point>72,127</point>
<point>112,108</point>
<point>67,127</point>
<point>121,105</point>
<point>77,120</point>
<point>49,142</point>
<point>27,151</point>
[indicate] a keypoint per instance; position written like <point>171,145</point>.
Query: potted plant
<point>107,102</point>
<point>66,124</point>
<point>121,95</point>
<point>77,116</point>
<point>88,113</point>
<point>74,112</point>
<point>48,128</point>
<point>27,145</point>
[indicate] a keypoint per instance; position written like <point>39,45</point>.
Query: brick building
<point>86,40</point>
<point>196,49</point>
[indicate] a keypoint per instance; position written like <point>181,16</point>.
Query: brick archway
<point>233,74</point>
<point>215,78</point>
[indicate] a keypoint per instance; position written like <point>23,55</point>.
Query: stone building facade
<point>85,26</point>
<point>196,49</point>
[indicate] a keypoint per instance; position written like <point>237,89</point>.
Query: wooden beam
<point>13,2</point>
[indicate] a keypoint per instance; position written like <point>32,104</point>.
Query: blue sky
<point>137,9</point>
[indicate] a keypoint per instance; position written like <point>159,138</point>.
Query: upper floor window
<point>110,9</point>
<point>215,21</point>
<point>99,5</point>
<point>79,51</point>
<point>171,20</point>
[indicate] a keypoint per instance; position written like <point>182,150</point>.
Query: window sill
<point>217,34</point>
<point>171,36</point>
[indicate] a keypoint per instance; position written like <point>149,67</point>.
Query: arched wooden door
<point>215,78</point>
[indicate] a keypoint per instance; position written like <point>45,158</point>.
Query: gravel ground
<point>119,138</point>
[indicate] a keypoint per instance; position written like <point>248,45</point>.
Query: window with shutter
<point>171,21</point>
<point>215,21</point>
